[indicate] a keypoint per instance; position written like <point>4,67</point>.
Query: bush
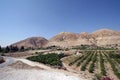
<point>94,59</point>
<point>87,62</point>
<point>98,76</point>
<point>103,71</point>
<point>83,58</point>
<point>116,72</point>
<point>91,69</point>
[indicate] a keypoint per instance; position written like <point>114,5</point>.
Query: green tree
<point>0,49</point>
<point>14,48</point>
<point>22,48</point>
<point>7,49</point>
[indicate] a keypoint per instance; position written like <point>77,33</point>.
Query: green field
<point>51,59</point>
<point>98,62</point>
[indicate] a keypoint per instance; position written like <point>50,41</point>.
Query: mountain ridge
<point>100,37</point>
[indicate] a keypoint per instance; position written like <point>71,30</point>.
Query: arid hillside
<point>103,37</point>
<point>106,37</point>
<point>34,42</point>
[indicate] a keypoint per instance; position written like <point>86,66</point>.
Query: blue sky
<point>20,19</point>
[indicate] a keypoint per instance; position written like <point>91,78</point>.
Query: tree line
<point>11,49</point>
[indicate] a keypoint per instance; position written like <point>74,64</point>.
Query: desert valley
<point>66,56</point>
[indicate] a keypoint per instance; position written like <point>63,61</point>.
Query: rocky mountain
<point>63,39</point>
<point>34,42</point>
<point>103,37</point>
<point>106,37</point>
<point>64,36</point>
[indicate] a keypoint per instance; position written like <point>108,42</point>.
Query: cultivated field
<point>95,64</point>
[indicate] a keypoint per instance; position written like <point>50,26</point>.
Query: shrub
<point>87,62</point>
<point>103,71</point>
<point>98,76</point>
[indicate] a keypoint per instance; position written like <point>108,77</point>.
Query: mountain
<point>106,37</point>
<point>34,42</point>
<point>67,39</point>
<point>64,36</point>
<point>63,39</point>
<point>101,37</point>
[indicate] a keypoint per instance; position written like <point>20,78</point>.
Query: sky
<point>20,19</point>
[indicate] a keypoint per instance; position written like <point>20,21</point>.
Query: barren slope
<point>101,37</point>
<point>106,37</point>
<point>34,42</point>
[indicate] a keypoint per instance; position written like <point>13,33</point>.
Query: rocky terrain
<point>103,37</point>
<point>106,37</point>
<point>34,42</point>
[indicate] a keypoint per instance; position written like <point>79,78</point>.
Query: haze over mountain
<point>103,37</point>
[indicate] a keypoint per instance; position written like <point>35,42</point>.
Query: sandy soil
<point>22,69</point>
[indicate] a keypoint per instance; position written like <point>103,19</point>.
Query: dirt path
<point>22,69</point>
